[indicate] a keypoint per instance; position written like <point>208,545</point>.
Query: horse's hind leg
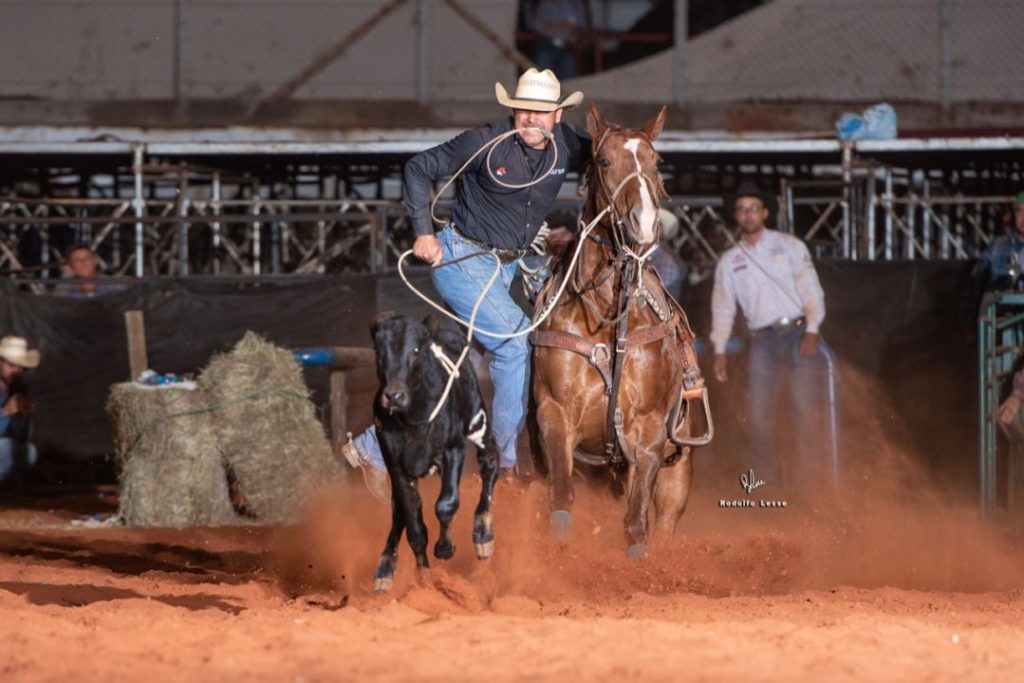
<point>671,492</point>
<point>483,522</point>
<point>448,500</point>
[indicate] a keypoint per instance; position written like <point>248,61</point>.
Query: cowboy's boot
<point>377,481</point>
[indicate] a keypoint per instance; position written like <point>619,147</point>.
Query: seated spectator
<point>82,264</point>
<point>559,25</point>
<point>17,453</point>
<point>998,269</point>
<point>1009,409</point>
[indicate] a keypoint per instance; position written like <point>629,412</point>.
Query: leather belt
<point>504,255</point>
<point>780,326</point>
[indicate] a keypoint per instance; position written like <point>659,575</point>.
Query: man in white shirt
<point>769,275</point>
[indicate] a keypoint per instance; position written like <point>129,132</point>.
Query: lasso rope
<point>452,368</point>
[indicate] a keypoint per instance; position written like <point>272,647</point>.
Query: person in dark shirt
<point>1000,267</point>
<point>17,453</point>
<point>501,201</point>
<point>84,281</point>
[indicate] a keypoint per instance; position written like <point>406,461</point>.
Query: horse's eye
<point>416,350</point>
<point>605,162</point>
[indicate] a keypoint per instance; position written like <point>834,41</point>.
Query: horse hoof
<point>382,584</point>
<point>484,550</point>
<point>637,551</point>
<point>444,549</point>
<point>561,524</point>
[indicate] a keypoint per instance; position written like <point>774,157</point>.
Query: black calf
<point>412,380</point>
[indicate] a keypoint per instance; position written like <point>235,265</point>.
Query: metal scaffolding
<point>228,207</point>
<point>1000,336</point>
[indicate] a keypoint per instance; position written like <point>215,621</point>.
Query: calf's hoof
<point>444,549</point>
<point>561,524</point>
<point>484,550</point>
<point>637,551</point>
<point>382,584</point>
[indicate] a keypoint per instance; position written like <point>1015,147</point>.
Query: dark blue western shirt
<point>484,210</point>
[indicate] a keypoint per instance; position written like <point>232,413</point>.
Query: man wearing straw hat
<point>503,194</point>
<point>16,451</point>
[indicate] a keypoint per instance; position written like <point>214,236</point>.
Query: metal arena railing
<point>175,218</point>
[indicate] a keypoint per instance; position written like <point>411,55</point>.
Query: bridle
<point>619,230</point>
<point>608,356</point>
<point>624,257</point>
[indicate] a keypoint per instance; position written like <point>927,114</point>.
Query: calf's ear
<point>381,319</point>
<point>444,331</point>
<point>432,323</point>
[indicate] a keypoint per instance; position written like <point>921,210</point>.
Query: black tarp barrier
<point>84,348</point>
<point>897,322</point>
<point>900,326</point>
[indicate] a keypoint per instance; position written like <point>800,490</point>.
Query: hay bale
<point>170,471</point>
<point>267,428</point>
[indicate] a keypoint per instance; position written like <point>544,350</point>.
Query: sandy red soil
<point>882,587</point>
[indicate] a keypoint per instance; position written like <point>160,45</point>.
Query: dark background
<point>897,324</point>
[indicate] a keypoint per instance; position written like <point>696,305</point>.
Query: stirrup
<point>705,438</point>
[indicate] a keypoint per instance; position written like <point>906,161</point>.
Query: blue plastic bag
<point>878,122</point>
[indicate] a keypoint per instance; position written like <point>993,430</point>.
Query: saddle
<point>609,361</point>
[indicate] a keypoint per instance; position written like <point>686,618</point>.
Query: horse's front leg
<point>672,491</point>
<point>558,444</point>
<point>640,491</point>
<point>448,500</point>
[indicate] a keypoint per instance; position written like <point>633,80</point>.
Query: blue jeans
<point>460,285</point>
<point>16,456</point>
<point>787,409</point>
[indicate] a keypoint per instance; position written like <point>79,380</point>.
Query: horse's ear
<point>595,123</point>
<point>653,127</point>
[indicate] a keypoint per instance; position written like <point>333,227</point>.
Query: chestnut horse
<point>615,376</point>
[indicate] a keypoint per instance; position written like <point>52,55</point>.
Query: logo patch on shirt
<point>557,171</point>
<point>500,171</point>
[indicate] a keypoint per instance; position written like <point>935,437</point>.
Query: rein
<point>632,265</point>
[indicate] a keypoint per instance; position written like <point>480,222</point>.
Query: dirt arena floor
<point>894,583</point>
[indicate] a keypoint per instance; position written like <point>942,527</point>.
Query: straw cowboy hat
<point>15,351</point>
<point>537,91</point>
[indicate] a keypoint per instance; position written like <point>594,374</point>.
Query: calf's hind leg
<point>483,522</point>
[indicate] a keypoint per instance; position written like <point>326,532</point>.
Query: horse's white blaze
<point>648,211</point>
<point>477,435</point>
